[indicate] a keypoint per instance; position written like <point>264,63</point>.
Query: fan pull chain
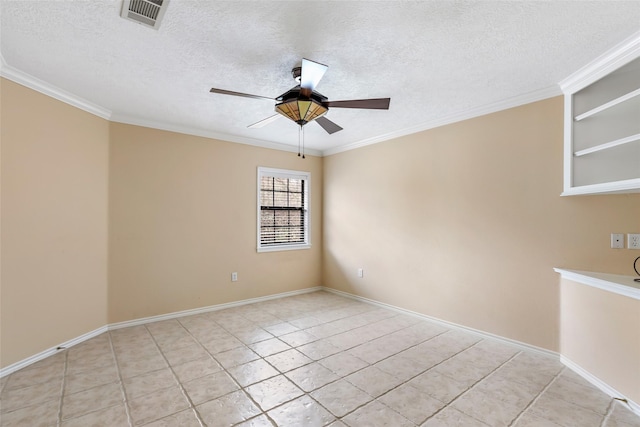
<point>302,130</point>
<point>299,138</point>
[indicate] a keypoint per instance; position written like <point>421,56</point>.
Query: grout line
<point>473,385</point>
<point>63,385</point>
<point>175,376</point>
<point>120,381</point>
<point>606,417</point>
<point>240,387</point>
<point>538,396</point>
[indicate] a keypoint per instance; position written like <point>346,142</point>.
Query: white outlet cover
<point>617,241</point>
<point>633,241</point>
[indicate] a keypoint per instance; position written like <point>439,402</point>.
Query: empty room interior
<point>452,243</point>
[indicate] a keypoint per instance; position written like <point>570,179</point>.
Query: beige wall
<point>54,176</point>
<point>183,217</point>
<point>600,333</point>
<point>465,223</point>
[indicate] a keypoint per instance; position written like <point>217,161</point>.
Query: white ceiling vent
<point>146,12</point>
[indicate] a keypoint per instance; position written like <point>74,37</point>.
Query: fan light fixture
<point>301,111</point>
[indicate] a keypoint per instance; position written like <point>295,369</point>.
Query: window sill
<point>284,248</point>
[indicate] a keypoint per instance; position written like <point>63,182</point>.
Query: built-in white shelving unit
<point>602,124</point>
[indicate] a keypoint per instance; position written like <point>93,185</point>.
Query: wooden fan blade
<point>370,104</point>
<point>246,95</point>
<point>328,125</point>
<point>311,74</point>
<point>265,122</point>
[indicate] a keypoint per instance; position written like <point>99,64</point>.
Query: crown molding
<point>619,55</point>
<point>48,89</point>
<point>513,102</point>
<point>137,121</point>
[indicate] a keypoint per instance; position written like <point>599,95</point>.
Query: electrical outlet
<point>360,273</point>
<point>633,241</point>
<point>617,241</point>
<point>234,277</point>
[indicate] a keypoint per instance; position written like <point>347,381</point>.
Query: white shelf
<point>615,283</point>
<point>607,145</point>
<point>626,186</point>
<point>608,105</point>
<point>602,124</point>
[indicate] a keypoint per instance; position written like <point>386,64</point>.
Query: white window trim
<point>291,174</point>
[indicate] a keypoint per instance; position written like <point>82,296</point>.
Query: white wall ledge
<point>616,283</point>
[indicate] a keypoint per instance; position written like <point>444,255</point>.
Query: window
<point>283,209</point>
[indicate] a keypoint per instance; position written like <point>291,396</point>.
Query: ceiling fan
<point>303,104</point>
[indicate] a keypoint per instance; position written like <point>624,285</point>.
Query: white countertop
<point>616,283</point>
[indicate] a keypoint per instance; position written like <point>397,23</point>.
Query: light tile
<point>13,399</point>
<point>438,386</point>
<point>411,403</point>
<point>402,367</point>
<point>288,360</point>
<point>252,372</point>
<point>269,347</point>
<point>621,416</point>
<point>89,379</point>
<point>228,410</point>
<point>217,338</point>
<point>196,369</point>
<point>564,413</point>
<point>111,416</point>
<point>34,375</point>
<point>149,382</point>
<point>529,420</point>
<point>586,396</point>
<point>511,392</point>
<point>139,366</point>
<point>298,338</point>
<point>450,417</point>
<point>305,322</point>
<point>303,411</point>
<point>487,409</point>
<point>235,357</point>
<point>273,392</point>
<point>209,387</point>
<point>43,414</point>
<point>157,405</point>
<point>318,349</point>
<point>103,396</point>
<point>376,414</point>
<point>311,377</point>
<point>281,328</point>
<point>343,364</point>
<point>185,418</point>
<point>185,354</point>
<point>341,397</point>
<point>260,421</point>
<point>373,381</point>
<point>491,381</point>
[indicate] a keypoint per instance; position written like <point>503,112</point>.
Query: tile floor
<point>316,359</point>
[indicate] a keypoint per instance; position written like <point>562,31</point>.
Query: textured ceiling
<point>434,59</point>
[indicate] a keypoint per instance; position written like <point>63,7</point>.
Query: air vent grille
<point>146,12</point>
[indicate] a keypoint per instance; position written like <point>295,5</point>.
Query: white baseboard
<point>51,351</point>
<point>633,406</point>
<point>178,314</point>
<point>482,334</point>
<point>518,344</point>
<point>597,382</point>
